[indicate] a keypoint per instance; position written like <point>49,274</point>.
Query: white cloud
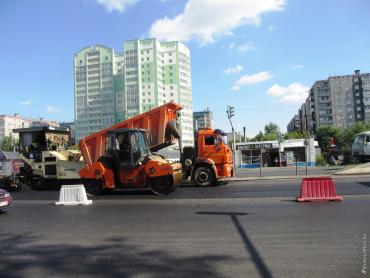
<point>52,109</point>
<point>119,5</point>
<point>246,80</point>
<point>206,20</point>
<point>246,48</point>
<point>231,45</point>
<point>26,102</point>
<point>298,66</point>
<point>271,28</point>
<point>235,69</point>
<point>294,93</point>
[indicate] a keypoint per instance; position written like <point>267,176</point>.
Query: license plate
<point>3,203</point>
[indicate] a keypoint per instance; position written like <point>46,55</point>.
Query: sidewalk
<point>289,173</point>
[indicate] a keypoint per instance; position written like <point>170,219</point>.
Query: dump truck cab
<point>47,158</point>
<point>210,160</point>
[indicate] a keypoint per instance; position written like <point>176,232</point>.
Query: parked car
<point>6,199</point>
<point>361,146</point>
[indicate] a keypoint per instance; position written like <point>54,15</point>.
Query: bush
<point>321,160</point>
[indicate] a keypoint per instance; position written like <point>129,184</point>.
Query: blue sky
<point>260,56</point>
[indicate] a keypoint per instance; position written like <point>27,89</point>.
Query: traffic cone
<point>318,189</point>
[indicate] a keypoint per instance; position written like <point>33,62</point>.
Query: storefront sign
<point>256,146</point>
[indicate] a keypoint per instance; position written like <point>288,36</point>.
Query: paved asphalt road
<point>245,229</point>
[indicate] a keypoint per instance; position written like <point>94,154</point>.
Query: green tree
<point>258,137</point>
<point>8,143</point>
<point>296,135</point>
<point>271,128</point>
<point>271,132</point>
<point>324,133</point>
<point>270,136</point>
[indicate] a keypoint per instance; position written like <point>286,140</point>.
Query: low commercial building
<point>292,152</point>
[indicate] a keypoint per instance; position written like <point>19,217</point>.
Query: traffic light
<point>230,111</point>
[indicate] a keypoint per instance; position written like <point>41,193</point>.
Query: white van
<point>361,146</point>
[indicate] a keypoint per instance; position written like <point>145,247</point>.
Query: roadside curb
<point>298,177</point>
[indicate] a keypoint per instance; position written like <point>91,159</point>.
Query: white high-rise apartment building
<point>147,74</point>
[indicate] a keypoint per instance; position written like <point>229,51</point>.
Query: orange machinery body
<point>155,122</point>
<point>218,155</point>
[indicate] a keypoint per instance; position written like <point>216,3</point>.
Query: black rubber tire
<point>93,187</point>
<point>161,185</point>
<point>204,176</point>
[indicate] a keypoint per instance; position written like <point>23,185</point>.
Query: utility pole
<point>244,139</point>
<point>230,113</point>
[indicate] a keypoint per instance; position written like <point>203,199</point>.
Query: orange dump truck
<point>121,156</point>
<point>210,159</point>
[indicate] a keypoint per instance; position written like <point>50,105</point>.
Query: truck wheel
<point>161,185</point>
<point>93,187</point>
<point>204,176</point>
